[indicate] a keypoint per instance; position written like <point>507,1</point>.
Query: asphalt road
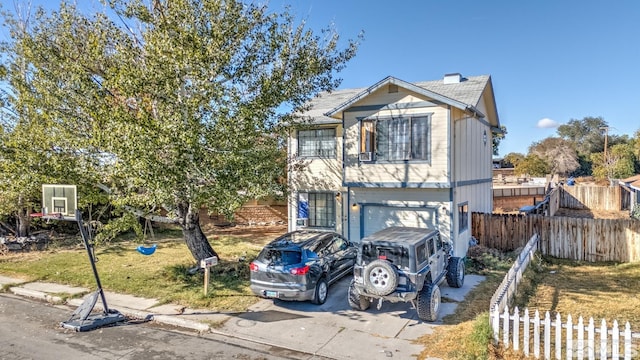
<point>30,330</point>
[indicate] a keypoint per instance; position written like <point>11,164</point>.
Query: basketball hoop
<point>47,217</point>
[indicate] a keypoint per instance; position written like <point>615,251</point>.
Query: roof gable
<point>465,95</point>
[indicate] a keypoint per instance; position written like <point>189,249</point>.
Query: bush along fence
<point>563,237</point>
<point>558,340</point>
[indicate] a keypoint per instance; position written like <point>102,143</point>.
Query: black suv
<point>404,264</point>
<point>301,265</point>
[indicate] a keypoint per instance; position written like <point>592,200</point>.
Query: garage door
<point>378,217</point>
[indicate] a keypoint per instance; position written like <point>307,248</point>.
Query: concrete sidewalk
<point>332,330</point>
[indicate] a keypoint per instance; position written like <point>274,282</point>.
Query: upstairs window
<point>317,143</point>
<point>393,139</point>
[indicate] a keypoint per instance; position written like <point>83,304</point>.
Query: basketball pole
<point>92,260</point>
<point>82,318</point>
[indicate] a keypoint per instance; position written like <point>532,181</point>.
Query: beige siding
<point>435,171</point>
<point>316,173</point>
<point>472,156</point>
<point>479,199</point>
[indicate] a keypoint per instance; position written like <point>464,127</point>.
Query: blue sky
<point>549,59</point>
<point>557,60</point>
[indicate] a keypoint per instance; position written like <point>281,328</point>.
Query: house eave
<point>335,112</point>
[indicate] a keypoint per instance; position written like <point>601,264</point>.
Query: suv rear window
<point>398,256</point>
<point>279,257</point>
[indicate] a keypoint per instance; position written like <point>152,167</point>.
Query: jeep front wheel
<point>455,272</point>
<point>356,300</point>
<point>428,302</point>
<point>380,278</point>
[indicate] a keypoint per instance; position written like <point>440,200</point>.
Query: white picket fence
<point>574,340</point>
<point>509,286</point>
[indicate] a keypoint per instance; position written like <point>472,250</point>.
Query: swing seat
<point>147,250</point>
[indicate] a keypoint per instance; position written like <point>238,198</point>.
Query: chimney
<point>453,78</point>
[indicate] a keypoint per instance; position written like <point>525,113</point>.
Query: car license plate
<point>271,294</point>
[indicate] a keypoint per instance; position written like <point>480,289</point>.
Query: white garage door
<point>379,217</point>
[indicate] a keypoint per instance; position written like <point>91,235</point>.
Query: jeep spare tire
<point>380,277</point>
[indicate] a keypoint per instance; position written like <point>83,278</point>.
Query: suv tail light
<point>253,267</point>
<point>300,271</point>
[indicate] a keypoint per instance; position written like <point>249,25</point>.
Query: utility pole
<point>606,136</point>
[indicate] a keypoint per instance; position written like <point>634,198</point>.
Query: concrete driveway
<point>334,330</point>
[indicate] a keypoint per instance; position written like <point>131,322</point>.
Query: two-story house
<point>396,153</point>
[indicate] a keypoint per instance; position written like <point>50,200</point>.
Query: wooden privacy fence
<point>563,237</point>
<point>558,340</point>
<point>591,197</point>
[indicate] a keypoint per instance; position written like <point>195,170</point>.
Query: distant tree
<point>618,164</point>
<point>635,143</point>
<point>586,134</point>
<point>184,103</point>
<point>513,159</point>
<point>532,165</point>
<point>497,138</point>
<point>558,153</point>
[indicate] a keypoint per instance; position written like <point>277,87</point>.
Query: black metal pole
<point>89,247</point>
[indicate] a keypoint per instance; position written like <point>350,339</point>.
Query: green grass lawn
<point>163,276</point>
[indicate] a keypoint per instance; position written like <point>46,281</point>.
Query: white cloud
<point>547,123</point>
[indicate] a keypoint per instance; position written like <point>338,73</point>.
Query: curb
<point>130,313</point>
<point>36,294</point>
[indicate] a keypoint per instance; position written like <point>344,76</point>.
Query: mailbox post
<point>206,264</point>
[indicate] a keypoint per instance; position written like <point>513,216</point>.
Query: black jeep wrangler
<point>404,264</point>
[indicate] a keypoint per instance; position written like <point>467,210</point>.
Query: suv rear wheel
<point>455,272</point>
<point>380,277</point>
<point>356,300</point>
<point>428,302</point>
<point>322,290</point>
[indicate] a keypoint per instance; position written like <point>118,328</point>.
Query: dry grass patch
<point>600,290</point>
<point>466,333</point>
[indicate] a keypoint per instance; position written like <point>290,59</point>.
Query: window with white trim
<point>317,143</point>
<point>397,138</point>
<point>322,210</point>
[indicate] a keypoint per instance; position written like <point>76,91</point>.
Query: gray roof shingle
<point>467,91</point>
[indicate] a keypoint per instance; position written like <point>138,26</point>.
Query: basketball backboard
<point>59,200</point>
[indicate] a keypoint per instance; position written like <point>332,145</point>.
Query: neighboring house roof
<point>464,95</point>
<point>632,182</point>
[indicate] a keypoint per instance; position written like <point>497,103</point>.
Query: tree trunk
<point>23,224</point>
<point>23,220</point>
<point>197,242</point>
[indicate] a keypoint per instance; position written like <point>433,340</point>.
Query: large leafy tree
<point>30,151</point>
<point>585,134</point>
<point>183,102</point>
<point>558,153</point>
